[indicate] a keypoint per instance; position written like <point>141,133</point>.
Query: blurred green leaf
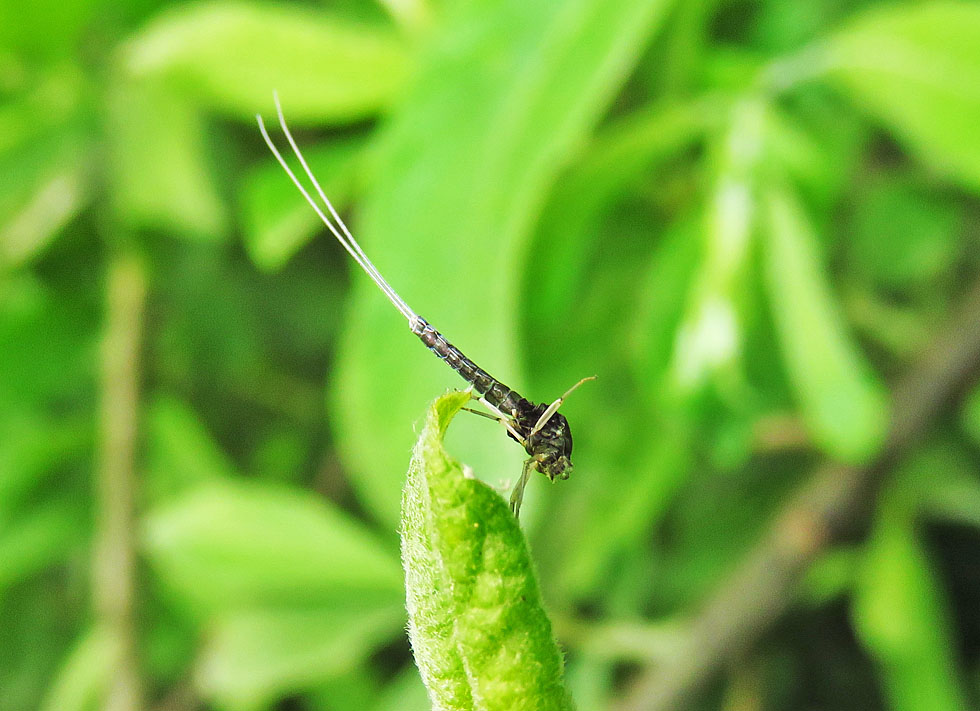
<point>45,29</point>
<point>40,628</point>
<point>232,544</point>
<point>412,15</point>
<point>32,446</point>
<point>630,455</point>
<point>831,576</point>
<point>632,445</point>
<point>843,404</point>
<point>970,415</point>
<point>169,639</point>
<point>902,329</point>
<point>281,456</point>
<point>46,105</point>
<point>709,339</point>
<point>405,692</point>
<point>946,475</point>
<point>666,283</point>
<point>901,616</point>
<point>160,171</point>
<point>716,518</point>
<point>46,169</point>
<point>614,513</point>
<point>182,453</point>
<point>955,498</point>
<point>42,216</point>
<point>276,220</point>
<point>915,67</point>
<point>479,633</point>
<point>81,682</point>
<point>505,95</point>
<point>819,145</point>
<point>619,156</point>
<point>352,691</point>
<point>590,680</point>
<point>47,342</point>
<point>31,543</point>
<point>232,56</point>
<point>904,237</point>
<point>253,657</point>
<point>784,26</point>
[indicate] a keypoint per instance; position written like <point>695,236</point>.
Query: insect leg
<point>481,414</point>
<point>553,407</point>
<point>506,421</point>
<point>517,495</point>
<point>496,415</point>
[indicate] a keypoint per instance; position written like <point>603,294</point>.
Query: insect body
<point>540,429</point>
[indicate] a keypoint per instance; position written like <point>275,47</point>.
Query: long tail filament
<point>342,234</point>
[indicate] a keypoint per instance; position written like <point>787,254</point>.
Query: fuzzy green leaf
<point>480,635</point>
<point>919,247</point>
<point>32,447</point>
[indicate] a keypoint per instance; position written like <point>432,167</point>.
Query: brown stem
<point>836,501</point>
<point>114,564</point>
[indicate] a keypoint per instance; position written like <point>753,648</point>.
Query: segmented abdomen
<point>494,391</point>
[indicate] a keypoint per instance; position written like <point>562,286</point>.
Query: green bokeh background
<point>751,219</point>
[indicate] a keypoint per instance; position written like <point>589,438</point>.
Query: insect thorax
<point>551,446</point>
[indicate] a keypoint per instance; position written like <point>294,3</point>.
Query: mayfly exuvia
<point>540,429</point>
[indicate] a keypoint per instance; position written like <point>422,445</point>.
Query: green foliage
<point>513,90</point>
<point>900,613</point>
<point>293,592</point>
<point>479,633</point>
<point>299,550</point>
<point>254,657</point>
<point>224,55</point>
<point>971,415</point>
<point>923,247</point>
<point>163,179</point>
<point>842,403</point>
<point>914,67</point>
<point>277,222</point>
<point>748,219</point>
<point>84,673</point>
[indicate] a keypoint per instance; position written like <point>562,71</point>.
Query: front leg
<point>517,495</point>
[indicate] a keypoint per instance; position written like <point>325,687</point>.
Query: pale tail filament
<point>342,234</point>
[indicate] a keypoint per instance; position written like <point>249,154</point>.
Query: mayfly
<point>540,429</point>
